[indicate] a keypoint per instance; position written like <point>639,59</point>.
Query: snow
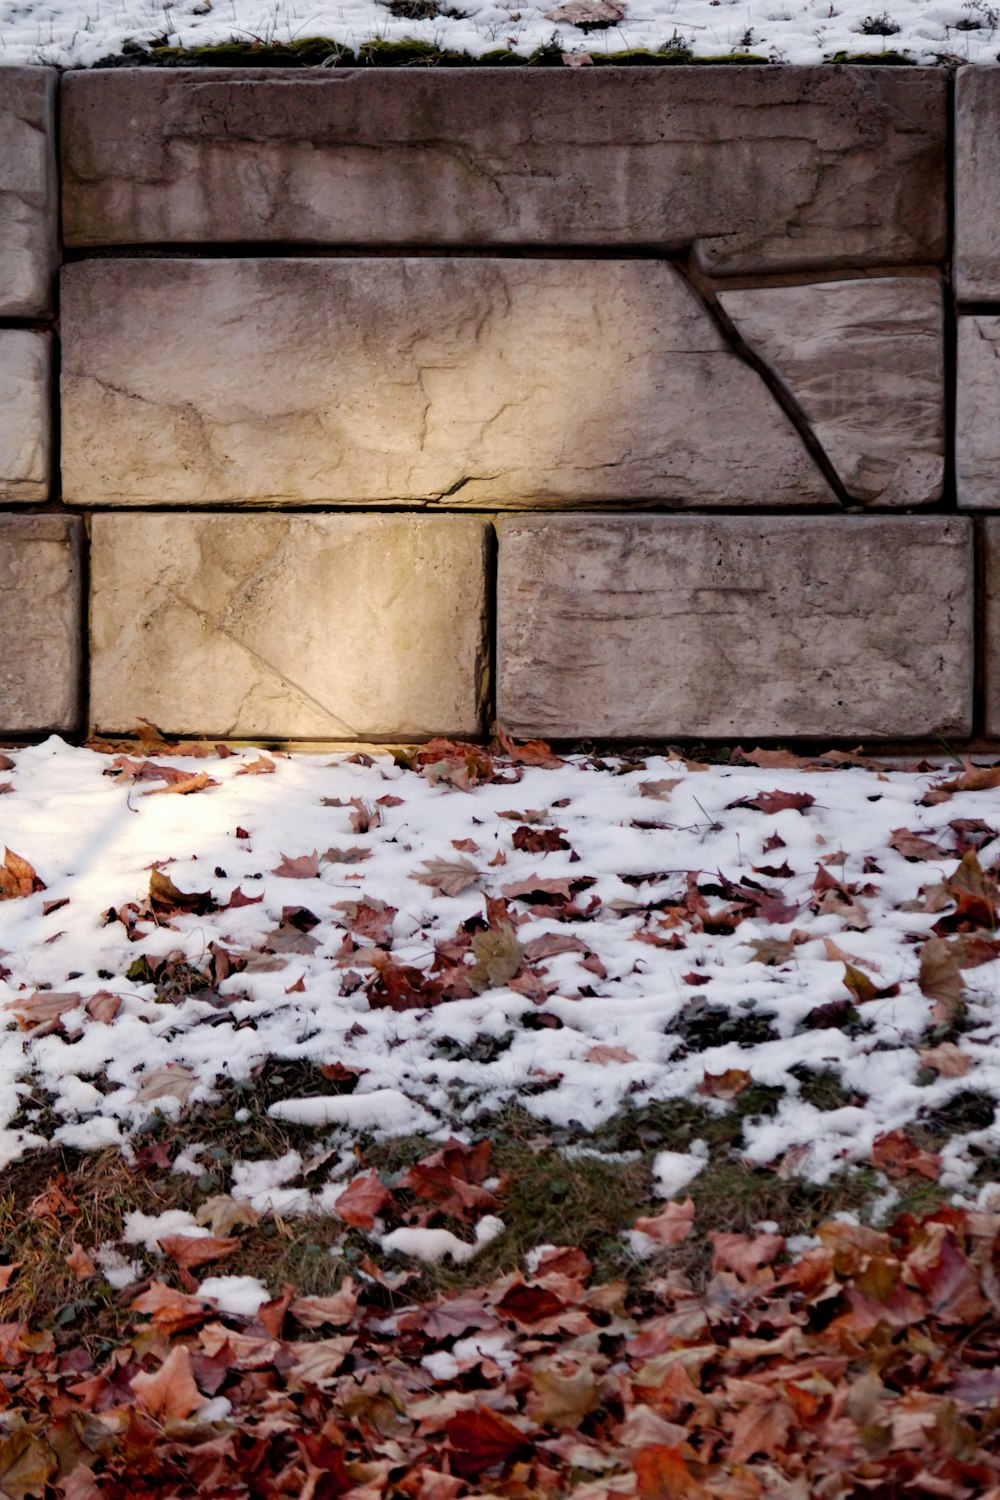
<point>432,1245</point>
<point>673,1170</point>
<point>242,1295</point>
<point>604,1029</point>
<point>78,33</point>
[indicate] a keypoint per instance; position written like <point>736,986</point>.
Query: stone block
<point>493,382</point>
<point>977,184</point>
<point>29,191</point>
<point>25,421</point>
<point>864,362</point>
<point>977,413</point>
<point>991,548</point>
<point>41,649</point>
<point>318,627</point>
<point>730,627</point>
<point>760,169</point>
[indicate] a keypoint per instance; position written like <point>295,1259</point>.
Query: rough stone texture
<point>977,413</point>
<point>343,627</point>
<point>25,432</point>
<point>29,191</point>
<point>864,361</point>
<point>991,540</point>
<point>763,168</point>
<point>977,184</point>
<point>665,627</point>
<point>471,382</point>
<point>40,649</point>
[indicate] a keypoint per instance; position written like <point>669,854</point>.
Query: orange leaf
<point>894,1153</point>
<point>196,783</point>
<point>80,1263</point>
<point>17,878</point>
<point>262,766</point>
<point>672,1225</point>
<point>171,1393</point>
<point>725,1085</point>
<point>191,1250</point>
<point>365,1197</point>
<point>662,1473</point>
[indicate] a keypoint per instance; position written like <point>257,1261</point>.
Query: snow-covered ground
<point>80,32</point>
<point>580,935</point>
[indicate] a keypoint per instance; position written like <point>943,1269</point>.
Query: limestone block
<point>338,627</point>
<point>759,168</point>
<point>977,413</point>
<point>864,362</point>
<point>467,382</point>
<point>729,627</point>
<point>991,538</point>
<point>977,184</point>
<point>40,649</point>
<point>25,426</point>
<point>29,191</point>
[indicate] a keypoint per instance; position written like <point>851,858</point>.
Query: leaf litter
<point>550,965</point>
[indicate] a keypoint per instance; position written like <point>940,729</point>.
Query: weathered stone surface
<point>25,434</point>
<point>760,168</point>
<point>991,539</point>
<point>977,184</point>
<point>471,382</point>
<point>661,627</point>
<point>977,413</point>
<point>342,627</point>
<point>864,361</point>
<point>41,647</point>
<point>29,191</point>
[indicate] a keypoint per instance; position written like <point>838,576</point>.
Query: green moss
<point>309,51</point>
<point>874,59</point>
<point>501,57</point>
<point>730,59</point>
<point>409,54</point>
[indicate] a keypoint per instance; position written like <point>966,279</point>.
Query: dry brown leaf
<point>196,783</point>
<point>262,766</point>
<point>603,1055</point>
<point>190,1250</point>
<point>17,877</point>
<point>660,790</point>
<point>941,979</point>
<point>948,1060</point>
<point>727,1085</point>
<point>172,1081</point>
<point>80,1263</point>
<point>671,1226</point>
<point>301,867</point>
<point>448,877</point>
<point>170,1393</point>
<point>222,1213</point>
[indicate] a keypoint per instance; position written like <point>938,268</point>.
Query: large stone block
<point>29,191</point>
<point>977,184</point>
<point>25,423</point>
<point>991,541</point>
<point>319,627</point>
<point>689,626</point>
<point>758,168</point>
<point>864,361</point>
<point>467,382</point>
<point>977,413</point>
<point>40,650</point>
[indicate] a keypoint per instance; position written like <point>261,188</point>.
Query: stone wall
<point>646,403</point>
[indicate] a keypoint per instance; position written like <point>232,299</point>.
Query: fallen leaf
<point>659,790</point>
<point>948,1060</point>
<point>975,779</point>
<point>671,1226</point>
<point>772,951</point>
<point>302,867</point>
<point>190,1251</point>
<point>913,846</point>
<point>662,1473</point>
<point>897,1155</point>
<point>743,1254</point>
<point>941,980</point>
<point>349,856</point>
<point>237,899</point>
<point>167,899</point>
<point>776,802</point>
<point>262,766</point>
<point>364,818</point>
<point>537,891</point>
<point>17,877</point>
<point>479,1439</point>
<point>864,988</point>
<point>727,1085</point>
<point>170,1393</point>
<point>363,1198</point>
<point>448,877</point>
<point>222,1213</point>
<point>603,1055</point>
<point>172,1081</point>
<point>183,788</point>
<point>27,1464</point>
<point>498,956</point>
<point>80,1263</point>
<point>538,840</point>
<point>335,1311</point>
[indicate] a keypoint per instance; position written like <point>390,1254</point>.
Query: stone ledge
<point>40,581</point>
<point>297,627</point>
<point>693,627</point>
<point>29,192</point>
<point>761,169</point>
<point>977,184</point>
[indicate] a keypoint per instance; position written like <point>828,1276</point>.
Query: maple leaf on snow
<point>300,867</point>
<point>448,877</point>
<point>17,877</point>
